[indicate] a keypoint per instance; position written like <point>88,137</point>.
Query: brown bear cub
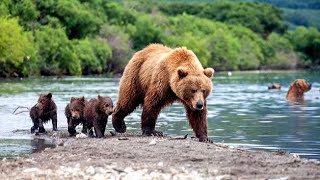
<point>156,77</point>
<point>96,113</point>
<point>297,89</point>
<point>74,112</point>
<point>42,112</point>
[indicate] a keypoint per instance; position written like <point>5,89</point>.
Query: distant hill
<point>294,4</point>
<point>299,12</point>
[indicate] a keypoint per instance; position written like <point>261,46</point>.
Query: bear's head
<point>44,102</point>
<point>193,87</point>
<point>301,85</point>
<point>76,106</point>
<point>105,104</point>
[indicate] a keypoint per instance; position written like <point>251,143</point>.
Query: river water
<point>242,112</point>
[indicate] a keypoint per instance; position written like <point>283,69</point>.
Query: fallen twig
<point>14,112</point>
<point>179,138</point>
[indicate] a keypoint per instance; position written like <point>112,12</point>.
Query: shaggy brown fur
<point>156,77</point>
<point>42,112</point>
<point>297,89</point>
<point>74,113</point>
<point>96,113</point>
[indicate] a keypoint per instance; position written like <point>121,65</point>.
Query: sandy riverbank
<point>130,156</point>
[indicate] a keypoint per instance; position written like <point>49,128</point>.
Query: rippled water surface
<point>241,111</point>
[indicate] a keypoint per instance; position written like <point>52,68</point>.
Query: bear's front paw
<point>72,131</point>
<point>42,130</point>
<point>120,127</point>
<point>33,129</point>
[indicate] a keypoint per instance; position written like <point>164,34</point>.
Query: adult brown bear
<point>156,77</point>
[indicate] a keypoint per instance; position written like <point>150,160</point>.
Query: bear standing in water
<point>42,112</point>
<point>74,112</point>
<point>156,77</point>
<point>96,113</point>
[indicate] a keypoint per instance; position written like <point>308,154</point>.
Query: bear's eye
<point>204,91</point>
<point>193,91</point>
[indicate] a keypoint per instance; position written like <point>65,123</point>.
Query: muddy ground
<point>130,156</point>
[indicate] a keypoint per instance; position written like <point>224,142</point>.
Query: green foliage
<point>250,54</point>
<point>26,11</point>
<point>120,44</point>
<point>284,56</point>
<point>146,32</point>
<point>306,41</point>
<point>4,11</point>
<point>75,37</point>
<point>56,55</point>
<point>260,18</point>
<point>16,48</point>
<point>93,55</point>
<point>79,22</point>
<point>224,47</point>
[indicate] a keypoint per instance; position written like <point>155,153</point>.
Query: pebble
<point>60,142</point>
<point>29,170</point>
<point>81,136</point>
<point>153,142</point>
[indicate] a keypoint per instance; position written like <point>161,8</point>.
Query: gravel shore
<point>130,156</point>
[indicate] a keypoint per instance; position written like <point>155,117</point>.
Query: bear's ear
<point>82,98</point>
<point>72,99</point>
<point>182,72</point>
<point>99,97</point>
<point>208,72</point>
<point>49,95</point>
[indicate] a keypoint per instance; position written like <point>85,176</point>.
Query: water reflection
<point>39,144</point>
<point>242,111</point>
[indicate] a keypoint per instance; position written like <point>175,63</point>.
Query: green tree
<point>250,54</point>
<point>93,55</point>
<point>26,11</point>
<point>284,57</point>
<point>306,41</point>
<point>55,52</point>
<point>120,44</point>
<point>16,49</point>
<point>146,32</point>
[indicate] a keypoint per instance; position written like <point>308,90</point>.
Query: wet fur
<point>96,114</point>
<point>74,112</point>
<point>297,89</point>
<point>42,112</point>
<point>156,77</point>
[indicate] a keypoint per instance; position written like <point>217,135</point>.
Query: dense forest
<point>81,37</point>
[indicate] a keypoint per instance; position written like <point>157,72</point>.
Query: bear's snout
<point>75,116</point>
<point>109,112</point>
<point>199,105</point>
<point>39,106</point>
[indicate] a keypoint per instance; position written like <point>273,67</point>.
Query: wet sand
<point>130,156</point>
